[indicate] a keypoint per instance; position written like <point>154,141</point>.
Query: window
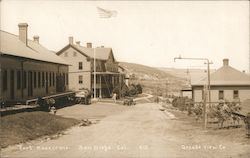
<point>39,79</point>
<point>53,78</point>
<point>24,79</point>
<point>66,54</point>
<point>80,79</point>
<point>80,65</point>
<point>74,54</point>
<point>221,94</point>
<point>46,79</point>
<point>18,79</point>
<point>5,80</point>
<point>35,80</point>
<point>43,80</point>
<point>50,79</point>
<point>67,79</point>
<point>236,94</point>
<point>64,79</point>
<point>203,94</point>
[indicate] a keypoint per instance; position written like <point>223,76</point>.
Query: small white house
<point>226,83</point>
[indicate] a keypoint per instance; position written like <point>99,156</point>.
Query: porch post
<point>100,88</point>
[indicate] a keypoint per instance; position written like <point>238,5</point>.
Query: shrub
<point>132,90</point>
<point>138,88</point>
<point>182,103</point>
<point>124,90</point>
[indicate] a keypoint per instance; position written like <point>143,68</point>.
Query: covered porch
<point>105,83</point>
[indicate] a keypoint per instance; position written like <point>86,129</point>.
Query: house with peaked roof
<point>28,69</point>
<point>227,83</point>
<point>81,71</point>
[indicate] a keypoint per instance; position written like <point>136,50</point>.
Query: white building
<point>226,83</point>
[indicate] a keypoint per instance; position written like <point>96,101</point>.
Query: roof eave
<point>15,56</point>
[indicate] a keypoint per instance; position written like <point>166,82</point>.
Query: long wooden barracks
<point>29,70</point>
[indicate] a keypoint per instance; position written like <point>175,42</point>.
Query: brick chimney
<point>78,43</point>
<point>89,45</point>
<point>36,39</point>
<point>71,40</point>
<point>225,62</point>
<point>23,32</point>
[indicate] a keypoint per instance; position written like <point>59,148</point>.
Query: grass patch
<point>233,134</point>
<point>21,127</point>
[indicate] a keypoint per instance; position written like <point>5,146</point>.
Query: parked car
<point>83,97</point>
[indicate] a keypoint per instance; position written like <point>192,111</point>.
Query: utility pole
<point>208,87</point>
<point>120,86</point>
<point>94,73</point>
<point>167,88</point>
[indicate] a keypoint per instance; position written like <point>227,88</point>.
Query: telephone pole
<point>208,87</point>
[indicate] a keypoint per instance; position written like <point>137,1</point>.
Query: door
<point>12,84</point>
<point>60,83</point>
<point>30,84</point>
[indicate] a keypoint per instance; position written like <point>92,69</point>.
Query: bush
<point>182,103</point>
<point>132,90</point>
<point>123,89</point>
<point>138,89</point>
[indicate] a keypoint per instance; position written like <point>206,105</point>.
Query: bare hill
<point>154,80</point>
<point>191,75</point>
<point>145,72</point>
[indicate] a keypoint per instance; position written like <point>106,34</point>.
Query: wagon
<point>129,101</point>
<point>83,97</point>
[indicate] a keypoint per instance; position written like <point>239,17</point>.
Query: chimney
<point>89,45</point>
<point>71,40</point>
<point>225,62</point>
<point>23,32</point>
<point>36,39</point>
<point>78,43</point>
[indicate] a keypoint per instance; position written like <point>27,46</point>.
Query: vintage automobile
<point>83,97</point>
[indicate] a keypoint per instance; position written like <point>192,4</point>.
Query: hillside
<point>154,80</point>
<point>187,74</point>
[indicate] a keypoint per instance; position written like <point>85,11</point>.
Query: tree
<point>132,90</point>
<point>124,90</point>
<point>139,88</point>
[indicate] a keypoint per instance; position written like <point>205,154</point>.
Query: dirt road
<point>139,131</point>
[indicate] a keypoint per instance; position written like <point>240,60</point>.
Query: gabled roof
<point>226,76</point>
<point>11,45</point>
<point>101,53</point>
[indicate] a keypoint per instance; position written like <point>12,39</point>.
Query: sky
<point>144,32</point>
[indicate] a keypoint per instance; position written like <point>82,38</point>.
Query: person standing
<point>114,97</point>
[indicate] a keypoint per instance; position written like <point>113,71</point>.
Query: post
<point>100,88</point>
<point>209,93</point>
<point>208,87</point>
<point>94,73</point>
<point>120,87</point>
<point>22,79</point>
<point>205,108</point>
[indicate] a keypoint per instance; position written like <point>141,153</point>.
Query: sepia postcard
<point>127,79</point>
